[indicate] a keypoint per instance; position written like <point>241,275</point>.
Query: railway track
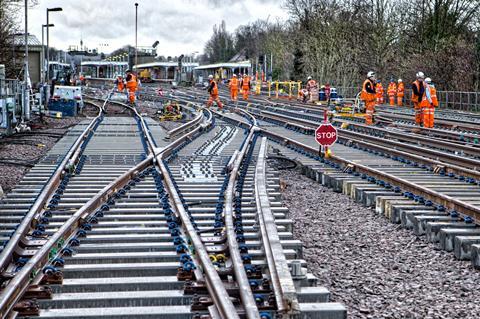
<point>137,222</point>
<point>433,198</point>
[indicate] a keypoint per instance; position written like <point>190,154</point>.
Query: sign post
<point>325,135</point>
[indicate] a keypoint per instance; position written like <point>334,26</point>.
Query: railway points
<point>233,185</point>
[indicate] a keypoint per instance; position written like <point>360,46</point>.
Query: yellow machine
<point>171,111</point>
<point>286,89</point>
<point>145,76</point>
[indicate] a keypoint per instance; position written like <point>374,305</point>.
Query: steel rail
<point>447,201</point>
<point>249,304</point>
<point>449,123</point>
<point>7,255</point>
<point>17,286</point>
<point>414,138</point>
<point>454,162</point>
<point>282,282</point>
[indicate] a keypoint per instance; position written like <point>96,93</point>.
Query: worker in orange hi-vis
<point>368,95</point>
<point>391,91</point>
<point>213,90</point>
<point>418,92</point>
<point>120,83</point>
<point>233,85</point>
<point>132,85</point>
<point>400,92</point>
<point>246,86</point>
<point>429,103</point>
<point>379,92</point>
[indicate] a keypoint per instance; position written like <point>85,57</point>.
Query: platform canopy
<point>225,65</point>
<point>165,65</point>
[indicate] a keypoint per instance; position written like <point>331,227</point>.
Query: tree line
<point>339,41</point>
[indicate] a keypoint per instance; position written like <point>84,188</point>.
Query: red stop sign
<point>326,134</point>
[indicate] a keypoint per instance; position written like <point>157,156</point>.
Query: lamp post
<point>136,34</point>
<point>43,51</point>
<point>48,40</point>
<point>26,98</point>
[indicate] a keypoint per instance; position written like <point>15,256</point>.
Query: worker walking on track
<point>391,91</point>
<point>233,85</point>
<point>429,103</point>
<point>368,95</point>
<point>213,90</point>
<point>311,88</point>
<point>245,85</point>
<point>132,86</point>
<point>379,91</point>
<point>400,92</point>
<point>418,92</point>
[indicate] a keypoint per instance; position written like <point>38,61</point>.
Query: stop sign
<point>326,134</point>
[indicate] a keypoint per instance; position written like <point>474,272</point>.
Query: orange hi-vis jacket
<point>311,84</point>
<point>401,89</point>
<point>214,89</point>
<point>415,97</point>
<point>132,83</point>
<point>233,84</point>
<point>433,95</point>
<point>365,95</point>
<point>379,90</point>
<point>246,83</point>
<point>392,89</point>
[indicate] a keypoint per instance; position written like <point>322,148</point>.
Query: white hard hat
<point>428,80</point>
<point>234,75</point>
<point>370,74</point>
<point>245,74</point>
<point>309,78</point>
<point>420,75</point>
<point>400,80</point>
<point>210,76</point>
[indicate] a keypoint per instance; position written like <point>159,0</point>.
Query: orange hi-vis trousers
<point>131,96</point>
<point>400,100</point>
<point>428,116</point>
<point>214,98</point>
<point>245,94</point>
<point>233,94</point>
<point>369,110</point>
<point>392,99</point>
<point>418,113</point>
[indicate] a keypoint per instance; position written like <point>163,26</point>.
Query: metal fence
<point>455,100</point>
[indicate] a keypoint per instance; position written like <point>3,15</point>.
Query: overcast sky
<point>181,26</point>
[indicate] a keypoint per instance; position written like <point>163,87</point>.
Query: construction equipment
<point>171,111</point>
<point>145,76</point>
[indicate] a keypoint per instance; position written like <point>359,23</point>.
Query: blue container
<point>333,95</point>
<point>67,107</point>
<point>322,96</point>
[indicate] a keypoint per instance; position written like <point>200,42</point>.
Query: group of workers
<point>130,84</point>
<point>234,85</point>
<point>393,90</point>
<point>424,97</point>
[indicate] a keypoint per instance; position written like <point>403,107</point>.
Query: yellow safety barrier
<point>285,89</point>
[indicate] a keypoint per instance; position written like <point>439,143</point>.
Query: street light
<point>48,40</point>
<point>136,37</point>
<point>26,96</point>
<point>43,51</point>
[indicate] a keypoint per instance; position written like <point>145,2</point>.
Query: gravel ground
<point>26,149</point>
<point>375,268</point>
